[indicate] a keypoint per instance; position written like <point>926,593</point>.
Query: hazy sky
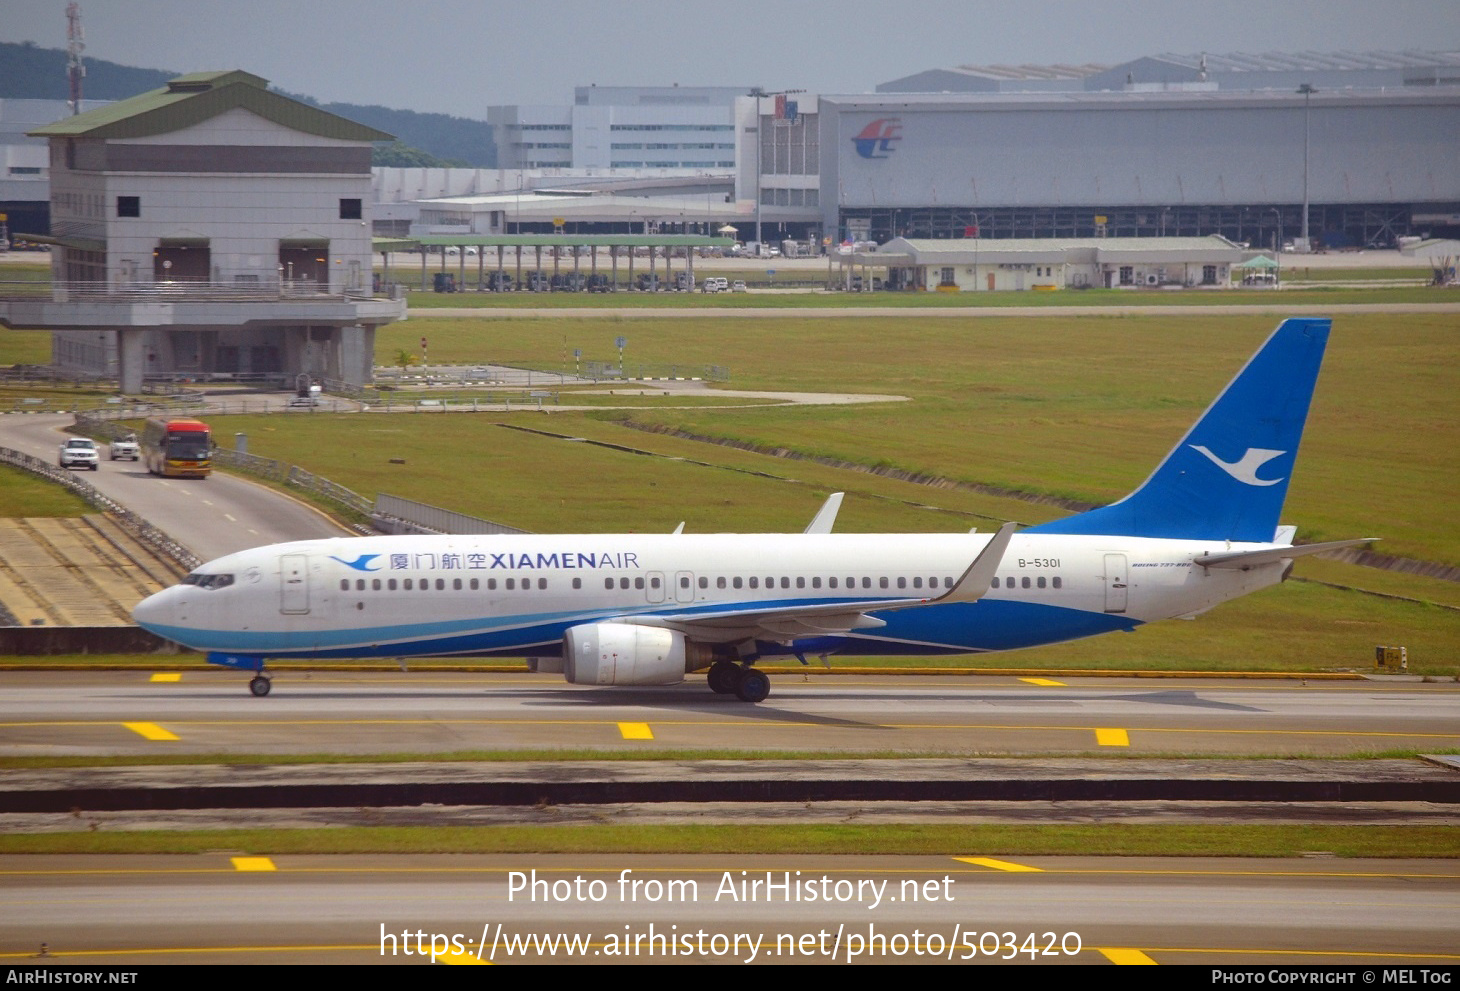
<point>460,56</point>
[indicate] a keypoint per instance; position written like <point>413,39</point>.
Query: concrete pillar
<point>357,354</point>
<point>131,359</point>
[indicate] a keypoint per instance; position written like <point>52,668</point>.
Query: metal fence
<point>287,474</point>
<point>391,509</point>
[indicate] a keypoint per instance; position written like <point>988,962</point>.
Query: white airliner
<point>637,609</point>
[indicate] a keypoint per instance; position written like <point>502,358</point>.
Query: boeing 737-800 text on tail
<point>636,609</point>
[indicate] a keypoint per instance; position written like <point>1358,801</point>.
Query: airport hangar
<point>1187,163</point>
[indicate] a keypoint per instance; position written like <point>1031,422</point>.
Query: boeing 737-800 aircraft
<point>636,609</point>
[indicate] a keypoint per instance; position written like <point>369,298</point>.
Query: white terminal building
<point>210,228</point>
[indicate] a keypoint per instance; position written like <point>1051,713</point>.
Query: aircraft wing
<point>1250,559</point>
<point>828,619</point>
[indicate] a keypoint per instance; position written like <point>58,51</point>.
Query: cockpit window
<point>208,581</point>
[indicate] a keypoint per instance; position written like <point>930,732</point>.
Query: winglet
<point>825,517</point>
<point>975,581</point>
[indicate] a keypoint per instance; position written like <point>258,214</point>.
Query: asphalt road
<point>730,908</point>
<point>211,517</point>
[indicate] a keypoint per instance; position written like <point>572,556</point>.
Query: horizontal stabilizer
<point>1251,559</point>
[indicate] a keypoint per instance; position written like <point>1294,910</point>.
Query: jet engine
<point>625,654</point>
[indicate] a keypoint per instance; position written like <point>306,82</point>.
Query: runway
<point>729,908</point>
<point>325,711</point>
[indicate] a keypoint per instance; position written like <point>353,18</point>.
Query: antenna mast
<point>75,45</point>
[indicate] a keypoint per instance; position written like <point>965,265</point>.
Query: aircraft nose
<point>160,609</point>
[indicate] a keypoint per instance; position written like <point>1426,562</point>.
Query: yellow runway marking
<point>167,676</point>
<point>636,731</point>
<point>460,960</point>
<point>1044,682</point>
<point>151,731</point>
<point>1001,865</point>
<point>1112,737</point>
<point>253,864</point>
<point>1124,956</point>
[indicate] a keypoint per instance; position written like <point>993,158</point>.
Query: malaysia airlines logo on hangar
<point>875,140</point>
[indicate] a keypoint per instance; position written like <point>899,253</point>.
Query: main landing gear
<point>741,680</point>
<point>260,684</point>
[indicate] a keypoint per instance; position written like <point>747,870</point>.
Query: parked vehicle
<point>79,452</point>
<point>738,286</point>
<point>499,282</point>
<point>715,283</point>
<point>597,283</point>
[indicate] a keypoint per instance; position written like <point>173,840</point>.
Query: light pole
<point>1307,90</point>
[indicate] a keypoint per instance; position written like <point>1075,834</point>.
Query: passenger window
<point>456,584</point>
<point>918,582</point>
<point>475,584</point>
<point>1024,583</point>
<point>608,583</point>
<point>704,582</point>
<point>344,584</point>
<point>639,583</point>
<point>577,583</point>
<point>816,582</point>
<point>785,582</point>
<point>831,582</point>
<point>390,584</point>
<point>901,582</point>
<point>1041,582</point>
<point>800,582</point>
<point>375,584</point>
<point>994,583</point>
<point>720,582</point>
<point>511,584</point>
<point>882,582</point>
<point>542,584</point>
<point>623,583</point>
<point>754,581</point>
<point>1057,582</point>
<point>491,584</point>
<point>408,586</point>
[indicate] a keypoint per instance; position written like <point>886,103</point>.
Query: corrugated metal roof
<point>192,99</point>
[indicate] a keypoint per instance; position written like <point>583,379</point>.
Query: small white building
<point>982,264</point>
<point>208,228</point>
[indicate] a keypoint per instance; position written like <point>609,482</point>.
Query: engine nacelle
<point>624,654</point>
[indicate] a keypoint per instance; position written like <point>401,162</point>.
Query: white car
<point>738,286</point>
<point>715,283</point>
<point>79,452</point>
<point>124,447</point>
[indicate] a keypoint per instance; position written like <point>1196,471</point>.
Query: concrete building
<point>210,228</point>
<point>621,127</point>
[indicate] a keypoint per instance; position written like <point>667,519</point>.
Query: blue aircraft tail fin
<point>1227,478</point>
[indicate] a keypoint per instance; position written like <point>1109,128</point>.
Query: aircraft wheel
<point>260,686</point>
<point>721,677</point>
<point>754,686</point>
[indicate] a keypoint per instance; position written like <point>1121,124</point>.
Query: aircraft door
<point>654,586</point>
<point>294,583</point>
<point>1116,584</point>
<point>684,586</point>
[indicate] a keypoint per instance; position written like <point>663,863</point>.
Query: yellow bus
<point>177,448</point>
